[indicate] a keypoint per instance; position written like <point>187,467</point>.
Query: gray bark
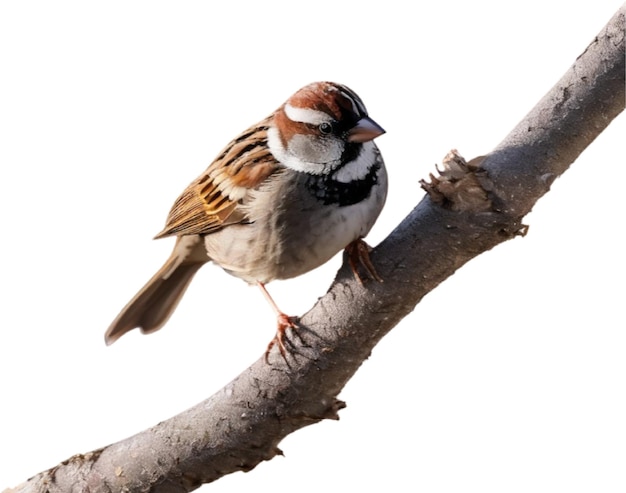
<point>469,209</point>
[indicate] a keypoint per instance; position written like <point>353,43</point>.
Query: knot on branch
<point>460,186</point>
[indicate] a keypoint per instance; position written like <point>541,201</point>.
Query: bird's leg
<point>359,254</point>
<point>284,322</point>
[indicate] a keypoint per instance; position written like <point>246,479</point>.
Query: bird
<point>281,199</point>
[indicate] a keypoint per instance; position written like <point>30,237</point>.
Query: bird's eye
<point>325,128</point>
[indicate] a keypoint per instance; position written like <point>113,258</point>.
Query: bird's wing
<point>214,199</point>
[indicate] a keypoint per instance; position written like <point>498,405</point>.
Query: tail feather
<point>153,305</point>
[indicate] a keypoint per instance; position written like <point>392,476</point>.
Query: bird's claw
<point>359,254</point>
<point>284,322</point>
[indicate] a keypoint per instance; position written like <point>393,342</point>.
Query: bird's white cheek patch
<point>315,154</point>
<point>304,153</point>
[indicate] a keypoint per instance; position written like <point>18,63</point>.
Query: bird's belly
<point>285,246</point>
<point>290,232</point>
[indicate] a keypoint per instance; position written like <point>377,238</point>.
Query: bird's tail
<point>153,305</point>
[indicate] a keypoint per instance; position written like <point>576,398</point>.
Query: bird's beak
<point>365,130</point>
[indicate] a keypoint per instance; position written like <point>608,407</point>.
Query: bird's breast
<point>296,223</point>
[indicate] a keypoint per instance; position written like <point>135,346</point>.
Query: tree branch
<point>469,209</point>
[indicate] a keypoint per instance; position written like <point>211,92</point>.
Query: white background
<point>508,377</point>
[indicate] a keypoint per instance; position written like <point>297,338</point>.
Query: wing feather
<point>213,200</point>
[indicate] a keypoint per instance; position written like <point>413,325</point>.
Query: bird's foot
<point>359,254</point>
<point>284,322</point>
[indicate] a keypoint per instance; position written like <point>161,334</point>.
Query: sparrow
<point>279,200</point>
